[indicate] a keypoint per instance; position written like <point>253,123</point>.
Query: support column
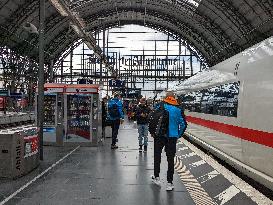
<point>107,42</point>
<point>40,108</point>
<point>184,69</point>
<point>155,66</point>
<point>103,50</point>
<point>83,67</point>
<point>179,72</point>
<point>62,71</point>
<point>51,71</point>
<point>167,59</point>
<point>131,70</point>
<point>191,64</point>
<point>143,64</point>
<point>71,64</point>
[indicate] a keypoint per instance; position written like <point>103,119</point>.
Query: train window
<point>217,100</point>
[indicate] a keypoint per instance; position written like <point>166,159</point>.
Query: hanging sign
<point>116,83</point>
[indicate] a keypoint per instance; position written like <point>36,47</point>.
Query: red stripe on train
<point>260,137</point>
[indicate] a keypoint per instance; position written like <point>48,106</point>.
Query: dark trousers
<point>170,149</point>
<point>115,127</point>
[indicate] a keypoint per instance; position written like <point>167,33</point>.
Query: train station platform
<point>101,176</point>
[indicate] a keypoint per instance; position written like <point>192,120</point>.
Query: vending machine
<point>72,114</point>
<point>53,114</point>
<point>83,114</point>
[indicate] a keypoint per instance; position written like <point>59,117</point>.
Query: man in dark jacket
<point>115,114</point>
<point>176,128</point>
<point>142,112</point>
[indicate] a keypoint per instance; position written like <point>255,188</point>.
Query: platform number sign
<point>116,83</point>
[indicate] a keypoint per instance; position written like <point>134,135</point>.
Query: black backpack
<point>113,111</point>
<point>159,121</point>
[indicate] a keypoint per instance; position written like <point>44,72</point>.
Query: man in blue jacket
<point>115,114</point>
<point>176,128</point>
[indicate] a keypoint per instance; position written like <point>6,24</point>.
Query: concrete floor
<point>101,176</point>
<point>98,176</point>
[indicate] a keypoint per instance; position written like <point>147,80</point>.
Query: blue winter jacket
<point>177,123</point>
<point>119,104</point>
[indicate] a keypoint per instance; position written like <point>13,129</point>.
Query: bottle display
<point>50,110</point>
<point>72,114</point>
<point>79,107</point>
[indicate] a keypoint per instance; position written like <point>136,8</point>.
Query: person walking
<point>104,115</point>
<point>174,130</point>
<point>115,114</point>
<point>142,113</point>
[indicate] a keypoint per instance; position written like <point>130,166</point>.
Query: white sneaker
<point>156,180</point>
<point>169,187</point>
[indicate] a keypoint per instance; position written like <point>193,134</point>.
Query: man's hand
<point>121,121</point>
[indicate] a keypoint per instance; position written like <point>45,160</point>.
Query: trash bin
<point>18,151</point>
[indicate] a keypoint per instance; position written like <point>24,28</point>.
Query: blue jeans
<point>143,133</point>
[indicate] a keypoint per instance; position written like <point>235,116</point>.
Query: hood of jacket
<point>171,101</point>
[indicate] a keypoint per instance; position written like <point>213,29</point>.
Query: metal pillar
<point>62,71</point>
<point>71,64</point>
<point>143,67</point>
<point>51,71</point>
<point>83,68</point>
<point>40,110</point>
<point>103,49</point>
<point>116,58</point>
<point>131,71</point>
<point>155,67</point>
<point>167,66</point>
<point>191,64</point>
<point>179,67</point>
<point>184,70</point>
<point>107,42</point>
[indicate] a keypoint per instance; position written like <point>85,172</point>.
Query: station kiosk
<point>73,115</point>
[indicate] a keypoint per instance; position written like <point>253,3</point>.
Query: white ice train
<point>229,108</point>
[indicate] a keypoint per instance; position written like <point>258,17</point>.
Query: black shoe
<point>140,148</point>
<point>145,148</point>
<point>114,146</point>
